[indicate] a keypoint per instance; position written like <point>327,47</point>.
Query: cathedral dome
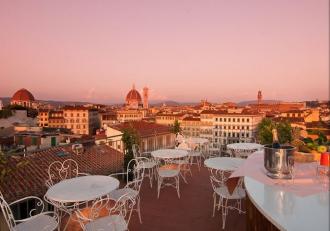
<point>22,95</point>
<point>133,95</point>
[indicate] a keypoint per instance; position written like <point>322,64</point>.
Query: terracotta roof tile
<point>30,179</point>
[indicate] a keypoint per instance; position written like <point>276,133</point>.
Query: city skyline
<point>183,51</point>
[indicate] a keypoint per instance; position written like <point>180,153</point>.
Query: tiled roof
<point>30,179</point>
<point>191,119</point>
<point>143,128</point>
<point>23,95</point>
<point>78,108</point>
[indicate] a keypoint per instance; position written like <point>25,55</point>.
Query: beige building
<point>80,120</point>
<point>191,127</point>
<point>130,115</point>
<point>168,119</point>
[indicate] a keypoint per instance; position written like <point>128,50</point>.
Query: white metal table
<point>224,163</point>
<point>197,140</point>
<point>169,153</point>
<point>244,149</point>
<point>69,194</point>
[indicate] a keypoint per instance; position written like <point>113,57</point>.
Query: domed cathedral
<point>134,99</point>
<point>23,97</point>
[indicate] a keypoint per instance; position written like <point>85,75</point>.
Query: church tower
<point>259,97</point>
<point>145,98</point>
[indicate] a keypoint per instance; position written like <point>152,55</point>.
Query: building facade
<point>80,120</point>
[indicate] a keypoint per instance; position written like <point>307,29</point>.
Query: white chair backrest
<point>58,171</point>
<point>7,213</point>
<point>122,208</point>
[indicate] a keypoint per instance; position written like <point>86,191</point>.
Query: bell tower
<point>259,97</point>
<point>145,98</point>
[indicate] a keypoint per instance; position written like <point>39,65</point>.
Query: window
<point>247,134</point>
<point>224,127</point>
<point>247,127</point>
<point>247,120</point>
<point>238,120</point>
<point>77,114</point>
<point>77,120</point>
<point>84,114</point>
<point>234,120</point>
<point>229,119</point>
<point>224,120</point>
<point>84,126</point>
<point>71,114</point>
<point>216,119</point>
<point>216,126</point>
<point>229,127</point>
<point>216,133</point>
<point>220,119</point>
<point>243,120</point>
<point>34,141</point>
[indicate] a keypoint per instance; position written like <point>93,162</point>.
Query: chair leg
<point>178,185</point>
<point>160,180</point>
<point>139,210</point>
<point>214,203</point>
<point>224,214</point>
<point>151,175</point>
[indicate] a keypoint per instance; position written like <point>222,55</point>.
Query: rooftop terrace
<point>193,211</point>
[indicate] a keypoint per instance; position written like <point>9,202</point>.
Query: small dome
<point>133,95</point>
<point>22,95</point>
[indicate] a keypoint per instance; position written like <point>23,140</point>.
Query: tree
<point>264,131</point>
<point>130,137</point>
<point>176,128</point>
<point>265,135</point>
<point>284,130</point>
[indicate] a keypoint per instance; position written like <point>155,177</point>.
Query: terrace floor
<point>193,211</point>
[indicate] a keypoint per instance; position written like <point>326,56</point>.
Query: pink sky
<point>182,50</point>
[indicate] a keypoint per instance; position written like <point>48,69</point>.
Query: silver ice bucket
<point>276,161</point>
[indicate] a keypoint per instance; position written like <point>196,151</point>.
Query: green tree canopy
<point>130,137</point>
<point>265,127</point>
<point>176,127</point>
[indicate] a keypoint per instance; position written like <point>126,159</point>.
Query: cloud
<point>90,93</point>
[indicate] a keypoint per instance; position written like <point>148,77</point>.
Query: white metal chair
<point>168,174</point>
<point>37,220</point>
<point>220,188</point>
<point>58,171</point>
<point>132,188</point>
<point>195,155</point>
<point>117,216</point>
<point>149,163</point>
<point>184,163</point>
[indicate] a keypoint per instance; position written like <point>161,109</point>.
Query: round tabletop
<point>196,140</point>
<point>84,188</point>
<point>245,146</point>
<point>224,163</point>
<point>288,211</point>
<point>169,153</point>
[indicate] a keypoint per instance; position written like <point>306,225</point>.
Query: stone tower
<point>145,98</point>
<point>259,97</point>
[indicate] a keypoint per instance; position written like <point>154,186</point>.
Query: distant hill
<point>171,103</point>
<point>244,103</point>
<point>5,100</point>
